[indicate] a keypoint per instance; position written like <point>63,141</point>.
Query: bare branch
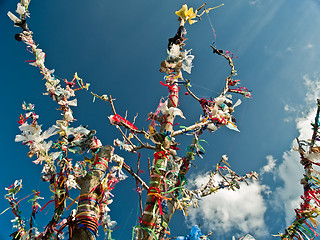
<point>132,173</point>
<point>112,105</point>
<point>149,166</point>
<point>135,117</point>
<point>190,128</point>
<point>201,7</point>
<point>190,92</point>
<point>129,170</point>
<point>127,139</point>
<point>137,185</point>
<point>233,71</point>
<point>147,146</point>
<point>102,97</point>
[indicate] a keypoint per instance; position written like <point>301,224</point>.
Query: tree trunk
<point>152,223</point>
<point>91,198</point>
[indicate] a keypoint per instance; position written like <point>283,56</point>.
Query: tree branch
<point>130,170</point>
<point>190,128</point>
<point>190,92</point>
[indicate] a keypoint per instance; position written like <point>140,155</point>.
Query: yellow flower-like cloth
<point>187,14</point>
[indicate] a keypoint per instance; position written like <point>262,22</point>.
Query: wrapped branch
<point>58,169</point>
<point>310,207</point>
<point>229,181</point>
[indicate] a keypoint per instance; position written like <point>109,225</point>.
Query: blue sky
<point>117,47</point>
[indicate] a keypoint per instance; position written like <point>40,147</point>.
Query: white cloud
<point>313,88</point>
<point>270,165</point>
<point>287,120</point>
<point>220,212</point>
<point>289,108</point>
<point>287,197</point>
<point>309,46</point>
<point>290,171</point>
<point>289,49</point>
<point>304,124</point>
<point>254,2</point>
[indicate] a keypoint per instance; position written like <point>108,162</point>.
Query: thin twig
<point>201,7</point>
<point>112,106</point>
<point>191,93</point>
<point>137,185</point>
<point>149,166</point>
<point>127,139</point>
<point>147,146</point>
<point>232,72</point>
<point>136,137</point>
<point>130,170</point>
<point>223,176</point>
<point>142,131</point>
<point>135,117</point>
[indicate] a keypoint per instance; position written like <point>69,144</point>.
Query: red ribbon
<point>46,205</point>
<point>155,198</point>
<point>171,89</point>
